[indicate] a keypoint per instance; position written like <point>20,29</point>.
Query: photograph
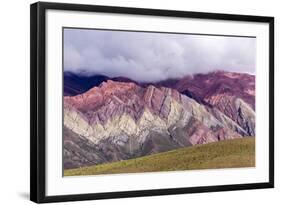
<point>133,102</point>
<point>149,101</point>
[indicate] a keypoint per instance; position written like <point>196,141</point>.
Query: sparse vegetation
<point>223,154</point>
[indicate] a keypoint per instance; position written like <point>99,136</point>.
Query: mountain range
<point>112,119</point>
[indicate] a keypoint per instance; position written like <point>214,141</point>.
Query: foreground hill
<point>223,154</point>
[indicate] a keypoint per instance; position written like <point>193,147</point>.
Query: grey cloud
<point>146,57</point>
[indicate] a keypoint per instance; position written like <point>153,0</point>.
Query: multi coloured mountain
<point>112,119</point>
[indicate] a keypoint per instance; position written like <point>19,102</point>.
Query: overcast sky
<point>147,57</point>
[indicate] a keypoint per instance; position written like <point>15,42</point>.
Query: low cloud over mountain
<point>149,57</point>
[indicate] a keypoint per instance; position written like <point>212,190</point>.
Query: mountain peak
<point>230,74</point>
<point>110,87</point>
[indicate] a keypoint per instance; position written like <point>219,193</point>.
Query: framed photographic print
<point>129,102</point>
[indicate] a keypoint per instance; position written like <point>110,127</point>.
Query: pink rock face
<point>87,101</point>
<point>97,96</point>
<point>221,90</point>
<point>115,98</point>
<point>214,86</point>
<point>111,87</point>
<point>200,134</point>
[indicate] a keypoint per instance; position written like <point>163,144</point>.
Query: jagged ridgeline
<point>119,119</point>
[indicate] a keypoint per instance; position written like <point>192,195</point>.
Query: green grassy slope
<point>223,154</point>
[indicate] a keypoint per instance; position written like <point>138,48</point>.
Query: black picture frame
<point>38,101</point>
